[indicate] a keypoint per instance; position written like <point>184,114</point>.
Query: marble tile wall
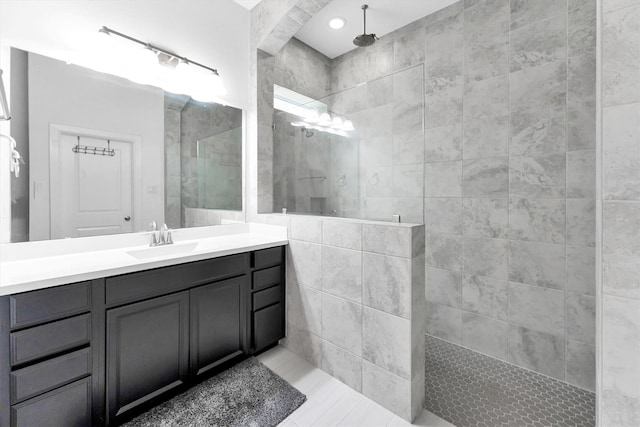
<point>355,296</point>
<point>509,175</point>
<point>619,216</point>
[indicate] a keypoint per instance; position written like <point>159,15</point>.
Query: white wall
<point>212,32</point>
<point>68,95</point>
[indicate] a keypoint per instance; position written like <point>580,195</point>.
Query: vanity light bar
<point>156,49</point>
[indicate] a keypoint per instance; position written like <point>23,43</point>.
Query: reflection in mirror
<point>173,157</point>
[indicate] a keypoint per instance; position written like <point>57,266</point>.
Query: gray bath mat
<point>248,394</point>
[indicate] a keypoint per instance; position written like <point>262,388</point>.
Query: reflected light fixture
<point>337,23</point>
<point>185,75</point>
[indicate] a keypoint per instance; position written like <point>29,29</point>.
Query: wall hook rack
<point>98,151</point>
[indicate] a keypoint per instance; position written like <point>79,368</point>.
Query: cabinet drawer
<point>266,278</point>
<point>35,307</point>
<point>266,297</point>
<point>45,340</point>
<point>45,376</point>
<point>68,406</point>
<point>145,284</point>
<point>268,326</point>
<point>268,257</point>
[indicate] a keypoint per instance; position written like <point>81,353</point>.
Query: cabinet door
<point>147,351</point>
<point>268,326</point>
<point>218,323</point>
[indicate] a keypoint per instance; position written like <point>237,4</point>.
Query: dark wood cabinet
<point>99,352</point>
<point>147,351</point>
<point>218,323</point>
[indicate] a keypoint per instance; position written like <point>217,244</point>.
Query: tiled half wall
<point>355,304</point>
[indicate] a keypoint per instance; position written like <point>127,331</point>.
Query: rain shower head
<point>364,39</point>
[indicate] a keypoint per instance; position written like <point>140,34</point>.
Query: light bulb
<point>148,57</point>
<point>336,123</point>
<point>311,116</point>
<point>183,68</point>
<point>325,119</point>
<point>347,125</point>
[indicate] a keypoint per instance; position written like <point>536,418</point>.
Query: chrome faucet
<point>165,236</point>
<point>160,237</point>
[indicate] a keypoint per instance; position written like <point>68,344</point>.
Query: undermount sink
<point>160,251</point>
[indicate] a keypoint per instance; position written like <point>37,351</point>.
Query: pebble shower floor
<point>470,389</point>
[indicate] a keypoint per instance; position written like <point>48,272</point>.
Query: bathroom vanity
<point>99,351</point>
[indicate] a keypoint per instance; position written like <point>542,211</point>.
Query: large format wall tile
<point>538,264</point>
<point>443,107</point>
<point>408,49</point>
<point>486,39</point>
<point>482,295</point>
<point>342,365</point>
<point>304,308</point>
<point>621,249</point>
<point>537,308</point>
<point>306,229</point>
<point>443,286</point>
<point>443,179</point>
<point>387,389</point>
<point>581,318</point>
<point>304,264</point>
<point>621,153</point>
<point>386,341</point>
<point>342,273</point>
<point>621,345</point>
<point>343,234</point>
<point>486,98</point>
<point>538,351</point>
<point>444,322</point>
<point>485,257</point>
<point>486,335</point>
<point>524,12</point>
<point>581,270</point>
<point>538,220</point>
<point>541,176</point>
<point>620,409</point>
<point>443,56</point>
<point>538,109</point>
<point>581,222</point>
<point>485,217</point>
<point>342,323</point>
<point>539,43</point>
<point>388,240</point>
<point>581,27</point>
<point>443,143</point>
<point>486,177</point>
<point>487,137</point>
<point>443,251</point>
<point>581,101</point>
<point>620,59</point>
<point>387,284</point>
<point>443,215</point>
<point>581,364</point>
<point>581,174</point>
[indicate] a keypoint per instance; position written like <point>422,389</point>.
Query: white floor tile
<point>331,403</point>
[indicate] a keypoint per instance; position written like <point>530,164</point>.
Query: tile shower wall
<point>619,148</point>
<point>354,293</point>
<point>509,175</point>
<point>217,129</point>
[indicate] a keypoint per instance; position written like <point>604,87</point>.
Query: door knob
<point>127,218</point>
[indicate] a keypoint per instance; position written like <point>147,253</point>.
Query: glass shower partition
<point>373,171</point>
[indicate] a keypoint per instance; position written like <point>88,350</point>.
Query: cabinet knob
<point>127,218</point>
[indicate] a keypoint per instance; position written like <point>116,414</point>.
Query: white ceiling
<point>383,17</point>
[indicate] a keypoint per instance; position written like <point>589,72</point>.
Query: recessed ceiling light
<point>337,23</point>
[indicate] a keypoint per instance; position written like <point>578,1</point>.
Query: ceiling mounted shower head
<point>364,39</point>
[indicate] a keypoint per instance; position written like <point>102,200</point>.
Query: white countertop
<point>39,265</point>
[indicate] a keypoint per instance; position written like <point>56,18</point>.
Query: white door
<point>91,194</point>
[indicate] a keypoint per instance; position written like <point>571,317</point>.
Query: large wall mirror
<point>106,155</point>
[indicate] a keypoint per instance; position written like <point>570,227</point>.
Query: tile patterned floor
<point>470,389</point>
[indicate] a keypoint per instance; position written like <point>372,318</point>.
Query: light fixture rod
<point>109,31</point>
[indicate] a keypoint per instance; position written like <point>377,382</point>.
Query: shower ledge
<point>37,265</point>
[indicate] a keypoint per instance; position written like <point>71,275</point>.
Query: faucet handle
<point>153,226</point>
